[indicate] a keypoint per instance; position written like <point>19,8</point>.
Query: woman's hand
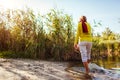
<point>76,46</point>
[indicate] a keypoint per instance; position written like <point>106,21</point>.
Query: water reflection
<point>103,63</point>
<point>108,64</point>
<point>111,65</point>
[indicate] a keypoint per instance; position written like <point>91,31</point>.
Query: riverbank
<point>25,69</point>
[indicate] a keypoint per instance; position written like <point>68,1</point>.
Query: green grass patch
<point>7,54</point>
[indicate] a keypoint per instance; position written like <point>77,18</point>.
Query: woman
<point>84,40</point>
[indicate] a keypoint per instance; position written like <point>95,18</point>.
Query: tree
<point>60,33</point>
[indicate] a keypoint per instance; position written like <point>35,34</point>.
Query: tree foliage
<point>24,34</point>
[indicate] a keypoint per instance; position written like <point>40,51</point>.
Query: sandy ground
<point>24,69</point>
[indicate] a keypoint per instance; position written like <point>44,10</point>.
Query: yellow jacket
<point>80,36</point>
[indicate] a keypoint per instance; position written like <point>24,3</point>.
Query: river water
<point>108,64</point>
<point>100,69</point>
